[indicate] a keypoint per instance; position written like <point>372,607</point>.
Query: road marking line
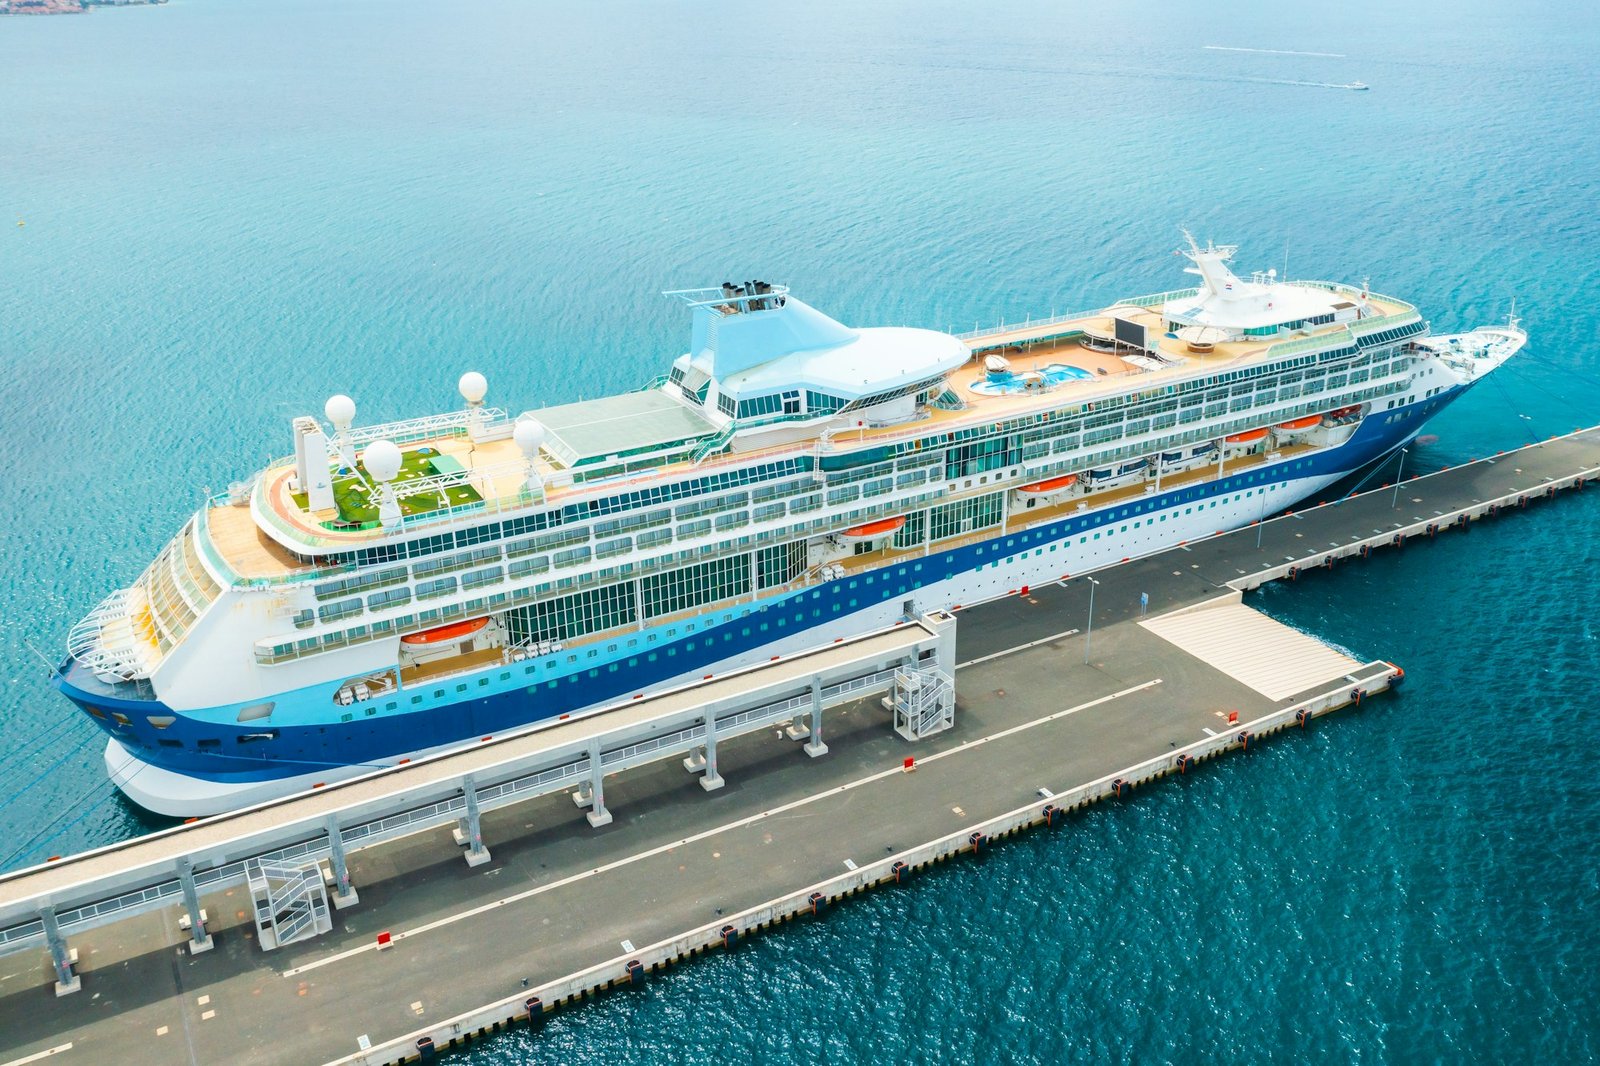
<point>37,1055</point>
<point>706,834</point>
<point>1019,647</point>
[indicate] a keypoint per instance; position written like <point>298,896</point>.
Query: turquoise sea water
<point>236,207</point>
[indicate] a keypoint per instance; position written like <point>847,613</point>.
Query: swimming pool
<point>1011,383</point>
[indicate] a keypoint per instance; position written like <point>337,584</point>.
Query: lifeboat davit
<point>873,530</point>
<point>1049,485</point>
<point>444,634</point>
<point>1249,436</point>
<point>1308,422</point>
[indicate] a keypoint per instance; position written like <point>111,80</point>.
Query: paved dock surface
<point>560,896</point>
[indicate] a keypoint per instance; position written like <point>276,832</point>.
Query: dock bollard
<point>535,1007</point>
<point>818,901</point>
<point>1302,716</point>
<point>1183,762</point>
<point>635,972</point>
<point>730,937</point>
<point>425,1047</point>
<point>1051,812</point>
<point>977,840</point>
<point>900,871</point>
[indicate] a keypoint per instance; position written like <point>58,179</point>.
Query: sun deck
<point>493,468</point>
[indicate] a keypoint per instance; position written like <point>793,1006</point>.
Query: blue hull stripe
<point>523,693</point>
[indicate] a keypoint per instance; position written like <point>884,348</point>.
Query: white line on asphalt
<point>1019,647</point>
<point>46,1053</point>
<point>803,801</point>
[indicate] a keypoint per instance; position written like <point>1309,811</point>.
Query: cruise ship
<point>390,591</point>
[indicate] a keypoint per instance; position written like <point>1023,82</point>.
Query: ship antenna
<point>42,657</point>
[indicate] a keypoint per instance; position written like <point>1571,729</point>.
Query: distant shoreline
<point>65,7</point>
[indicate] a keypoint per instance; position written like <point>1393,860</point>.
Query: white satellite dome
<point>382,459</point>
<point>529,435</point>
<point>341,411</point>
<point>473,386</point>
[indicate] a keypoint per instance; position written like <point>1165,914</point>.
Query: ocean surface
<point>234,208</point>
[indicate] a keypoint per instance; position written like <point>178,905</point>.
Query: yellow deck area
<point>250,552</point>
<point>455,664</point>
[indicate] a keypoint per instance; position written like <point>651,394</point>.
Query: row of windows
<point>780,564</point>
<point>572,513</point>
<point>963,516</point>
<point>568,617</point>
<point>695,586</point>
<point>1395,333</point>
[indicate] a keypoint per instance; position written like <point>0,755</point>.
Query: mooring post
<point>199,939</point>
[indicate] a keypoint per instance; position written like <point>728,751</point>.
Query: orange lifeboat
<point>1249,436</point>
<point>873,530</point>
<point>444,634</point>
<point>1308,422</point>
<point>1049,485</point>
<point>1343,412</point>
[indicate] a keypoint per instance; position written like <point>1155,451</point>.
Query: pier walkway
<point>1055,710</point>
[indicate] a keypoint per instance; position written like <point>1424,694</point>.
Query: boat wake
<point>1273,51</point>
<point>1353,85</point>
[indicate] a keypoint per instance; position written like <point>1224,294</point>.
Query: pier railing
<point>727,930</point>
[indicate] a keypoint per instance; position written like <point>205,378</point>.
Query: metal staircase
<point>924,702</point>
<point>291,902</point>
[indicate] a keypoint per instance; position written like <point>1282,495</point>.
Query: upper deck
<point>1080,357</point>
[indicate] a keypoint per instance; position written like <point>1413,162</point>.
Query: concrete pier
<point>558,908</point>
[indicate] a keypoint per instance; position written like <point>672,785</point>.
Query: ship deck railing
<point>561,485</point>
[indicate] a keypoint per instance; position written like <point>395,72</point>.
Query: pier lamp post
<point>1089,629</point>
<point>1399,475</point>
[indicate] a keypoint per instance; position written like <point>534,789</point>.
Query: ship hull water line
<point>467,672</point>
